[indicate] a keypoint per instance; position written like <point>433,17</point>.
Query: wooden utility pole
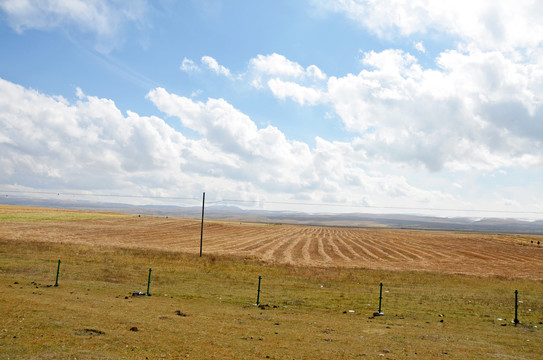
<point>202,227</point>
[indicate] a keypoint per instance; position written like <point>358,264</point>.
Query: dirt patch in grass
<point>88,332</point>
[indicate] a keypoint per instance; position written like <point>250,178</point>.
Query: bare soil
<point>510,256</point>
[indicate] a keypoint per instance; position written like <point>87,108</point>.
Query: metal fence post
<point>258,293</point>
<point>380,296</point>
<point>58,271</point>
<point>149,283</point>
<point>516,321</point>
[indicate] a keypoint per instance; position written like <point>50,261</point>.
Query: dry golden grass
<point>516,256</point>
<point>91,315</point>
<point>10,213</point>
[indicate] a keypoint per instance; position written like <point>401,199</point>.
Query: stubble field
<point>515,256</point>
<point>446,295</point>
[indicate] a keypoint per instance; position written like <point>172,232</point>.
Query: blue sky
<point>368,106</point>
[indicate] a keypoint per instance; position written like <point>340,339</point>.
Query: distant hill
<point>231,213</point>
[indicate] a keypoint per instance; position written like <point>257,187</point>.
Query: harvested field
<point>512,256</point>
<point>203,308</point>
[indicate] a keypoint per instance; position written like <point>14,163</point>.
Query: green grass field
<point>203,308</point>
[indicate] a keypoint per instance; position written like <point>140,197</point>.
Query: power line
<point>376,207</point>
<point>223,201</point>
<point>100,195</point>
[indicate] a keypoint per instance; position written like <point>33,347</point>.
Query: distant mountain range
<point>227,213</point>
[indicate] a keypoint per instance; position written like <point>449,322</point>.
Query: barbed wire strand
<point>226,201</point>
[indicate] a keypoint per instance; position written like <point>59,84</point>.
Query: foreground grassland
<point>203,308</point>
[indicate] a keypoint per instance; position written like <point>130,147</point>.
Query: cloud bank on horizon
<point>438,106</point>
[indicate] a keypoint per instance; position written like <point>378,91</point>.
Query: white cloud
<point>391,63</point>
<point>479,110</point>
<point>275,71</point>
<point>286,78</point>
<point>300,94</point>
<point>229,129</point>
<point>476,110</point>
<point>420,47</point>
<point>214,65</point>
<point>196,93</point>
<point>49,143</point>
<point>331,171</point>
<point>486,24</point>
<point>262,68</point>
<point>312,71</point>
<point>189,66</point>
<point>104,18</point>
<point>277,65</point>
<point>208,62</point>
<point>86,145</point>
<point>91,145</point>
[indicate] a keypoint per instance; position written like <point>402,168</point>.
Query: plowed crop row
<point>449,252</point>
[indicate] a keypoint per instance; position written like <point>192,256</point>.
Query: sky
<point>393,106</point>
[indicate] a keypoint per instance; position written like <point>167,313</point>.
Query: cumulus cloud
<point>286,79</point>
<point>445,118</point>
<point>86,145</point>
<point>329,172</point>
<point>479,108</point>
<point>231,130</point>
<point>262,68</point>
<point>48,142</point>
<point>279,66</point>
<point>298,93</point>
<point>103,18</point>
<point>214,65</point>
<point>488,25</point>
<point>189,66</point>
<point>276,64</point>
<point>476,110</point>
